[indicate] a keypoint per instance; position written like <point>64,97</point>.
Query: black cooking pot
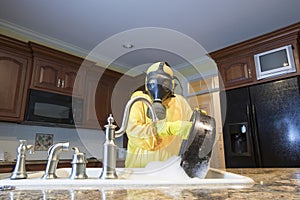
<point>196,150</point>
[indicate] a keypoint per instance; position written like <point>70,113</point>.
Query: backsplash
<point>87,140</point>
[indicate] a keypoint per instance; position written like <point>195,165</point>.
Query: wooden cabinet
<point>237,71</point>
<point>30,65</point>
<point>97,98</point>
<point>15,63</point>
<point>103,96</point>
<point>236,62</point>
<point>103,99</point>
<point>55,71</point>
<point>54,76</point>
<point>90,119</point>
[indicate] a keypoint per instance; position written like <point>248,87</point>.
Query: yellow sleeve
<point>181,128</point>
<point>141,131</point>
<point>145,134</point>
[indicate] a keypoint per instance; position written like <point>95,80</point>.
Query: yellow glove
<point>181,128</point>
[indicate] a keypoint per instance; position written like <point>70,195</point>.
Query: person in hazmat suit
<point>157,141</point>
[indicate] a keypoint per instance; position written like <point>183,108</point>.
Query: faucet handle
<point>78,165</point>
<point>78,157</point>
<point>30,149</point>
<point>76,150</point>
<point>110,119</point>
<point>23,147</point>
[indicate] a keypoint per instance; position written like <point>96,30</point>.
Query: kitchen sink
<point>156,174</point>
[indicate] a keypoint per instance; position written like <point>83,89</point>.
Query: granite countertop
<point>270,183</point>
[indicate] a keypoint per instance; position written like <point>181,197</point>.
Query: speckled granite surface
<point>269,184</point>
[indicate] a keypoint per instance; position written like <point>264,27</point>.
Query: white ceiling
<point>80,26</point>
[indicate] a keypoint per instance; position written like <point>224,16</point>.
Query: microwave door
<point>47,107</point>
<point>51,112</point>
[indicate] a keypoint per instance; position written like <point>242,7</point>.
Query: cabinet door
<point>96,99</point>
<point>47,75</point>
<point>12,83</point>
<point>89,113</point>
<point>236,72</point>
<point>103,100</point>
<point>68,78</point>
<point>55,77</point>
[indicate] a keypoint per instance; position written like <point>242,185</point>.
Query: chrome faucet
<point>20,169</point>
<point>110,147</point>
<point>53,158</point>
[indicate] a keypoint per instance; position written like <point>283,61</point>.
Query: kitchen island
<point>270,183</point>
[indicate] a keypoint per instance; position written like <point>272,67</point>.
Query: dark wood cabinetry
<point>237,71</point>
<point>54,77</point>
<point>90,119</point>
<point>15,63</point>
<point>30,65</point>
<point>99,86</point>
<point>55,71</point>
<point>236,63</point>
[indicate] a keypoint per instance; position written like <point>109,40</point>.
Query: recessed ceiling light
<point>128,46</point>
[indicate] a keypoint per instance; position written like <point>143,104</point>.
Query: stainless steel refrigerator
<point>262,124</point>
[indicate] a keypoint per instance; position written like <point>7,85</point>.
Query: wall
<point>88,141</point>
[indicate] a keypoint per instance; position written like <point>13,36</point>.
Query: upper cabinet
<point>25,66</point>
<point>237,71</point>
<point>55,71</point>
<point>236,63</point>
<point>15,69</point>
<point>106,92</point>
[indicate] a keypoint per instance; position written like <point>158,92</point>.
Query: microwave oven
<point>274,62</point>
<point>46,108</point>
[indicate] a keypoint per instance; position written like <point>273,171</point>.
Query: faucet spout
<point>110,152</point>
<point>53,158</point>
<point>129,104</point>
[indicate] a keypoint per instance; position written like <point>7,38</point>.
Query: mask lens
<point>167,84</point>
<point>151,84</point>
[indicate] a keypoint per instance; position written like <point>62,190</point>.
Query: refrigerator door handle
<point>255,136</point>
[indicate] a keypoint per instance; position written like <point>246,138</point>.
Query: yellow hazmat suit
<point>148,141</point>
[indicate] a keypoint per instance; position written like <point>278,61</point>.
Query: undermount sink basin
<point>154,175</point>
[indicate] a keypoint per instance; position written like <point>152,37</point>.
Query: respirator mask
<point>160,86</point>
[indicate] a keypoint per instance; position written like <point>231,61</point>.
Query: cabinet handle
<point>62,83</point>
<point>58,83</point>
<point>249,73</point>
